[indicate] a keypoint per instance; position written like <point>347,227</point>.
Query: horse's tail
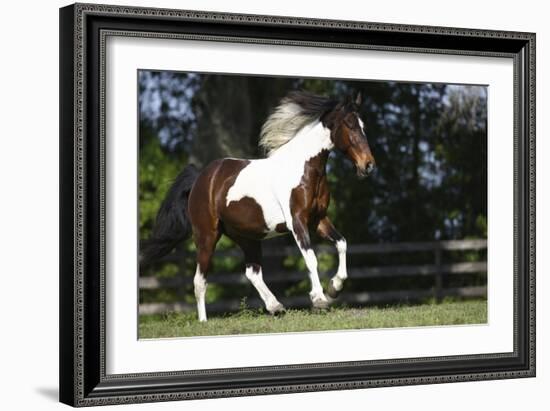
<point>172,224</point>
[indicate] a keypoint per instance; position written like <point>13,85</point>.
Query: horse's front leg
<point>327,231</point>
<point>301,235</point>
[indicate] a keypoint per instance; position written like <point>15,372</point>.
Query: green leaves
<point>157,170</point>
<point>429,141</point>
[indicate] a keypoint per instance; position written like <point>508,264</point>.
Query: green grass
<point>255,322</point>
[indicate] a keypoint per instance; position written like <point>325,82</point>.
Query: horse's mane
<point>294,111</point>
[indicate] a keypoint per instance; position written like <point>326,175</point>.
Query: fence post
<point>438,274</point>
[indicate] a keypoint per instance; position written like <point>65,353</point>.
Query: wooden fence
<point>437,269</point>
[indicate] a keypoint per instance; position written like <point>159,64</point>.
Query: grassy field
<point>254,322</point>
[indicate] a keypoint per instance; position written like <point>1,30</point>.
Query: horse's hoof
<point>320,304</point>
<point>331,291</point>
<point>279,309</point>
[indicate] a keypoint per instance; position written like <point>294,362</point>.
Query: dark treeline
<point>429,141</point>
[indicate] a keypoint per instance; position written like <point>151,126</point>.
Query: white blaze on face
<point>362,125</point>
<point>270,181</point>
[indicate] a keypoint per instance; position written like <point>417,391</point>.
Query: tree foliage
<point>429,141</point>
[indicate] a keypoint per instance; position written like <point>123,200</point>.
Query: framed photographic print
<point>261,204</point>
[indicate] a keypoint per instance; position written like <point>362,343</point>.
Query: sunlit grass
<point>248,321</point>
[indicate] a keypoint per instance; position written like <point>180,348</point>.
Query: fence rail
<point>382,248</point>
<point>438,270</point>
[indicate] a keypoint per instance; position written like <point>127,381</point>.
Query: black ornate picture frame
<point>83,31</point>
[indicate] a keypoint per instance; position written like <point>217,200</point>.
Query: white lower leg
<point>316,294</point>
<point>256,278</point>
<point>199,281</point>
<point>342,272</point>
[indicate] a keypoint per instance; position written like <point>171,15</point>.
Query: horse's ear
<point>358,99</point>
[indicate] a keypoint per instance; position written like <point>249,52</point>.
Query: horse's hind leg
<point>206,243</point>
<point>253,256</point>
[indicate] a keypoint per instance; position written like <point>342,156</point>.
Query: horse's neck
<point>310,142</point>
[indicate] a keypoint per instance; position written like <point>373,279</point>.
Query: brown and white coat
<point>286,192</point>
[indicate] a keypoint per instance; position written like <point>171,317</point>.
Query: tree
<point>429,141</point>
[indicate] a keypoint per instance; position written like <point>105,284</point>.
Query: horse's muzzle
<point>364,172</point>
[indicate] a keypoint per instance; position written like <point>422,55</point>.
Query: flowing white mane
<point>295,111</point>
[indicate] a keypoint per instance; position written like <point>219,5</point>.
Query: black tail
<point>172,224</point>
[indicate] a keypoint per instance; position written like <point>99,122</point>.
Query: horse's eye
<point>350,123</point>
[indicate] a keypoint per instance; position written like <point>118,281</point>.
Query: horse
<point>250,200</point>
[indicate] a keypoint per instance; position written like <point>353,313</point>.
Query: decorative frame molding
<point>83,32</point>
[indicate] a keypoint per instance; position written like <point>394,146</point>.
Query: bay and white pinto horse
<point>250,200</point>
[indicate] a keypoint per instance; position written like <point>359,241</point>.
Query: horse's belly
<point>250,218</point>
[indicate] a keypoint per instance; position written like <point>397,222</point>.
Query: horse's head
<point>348,135</point>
